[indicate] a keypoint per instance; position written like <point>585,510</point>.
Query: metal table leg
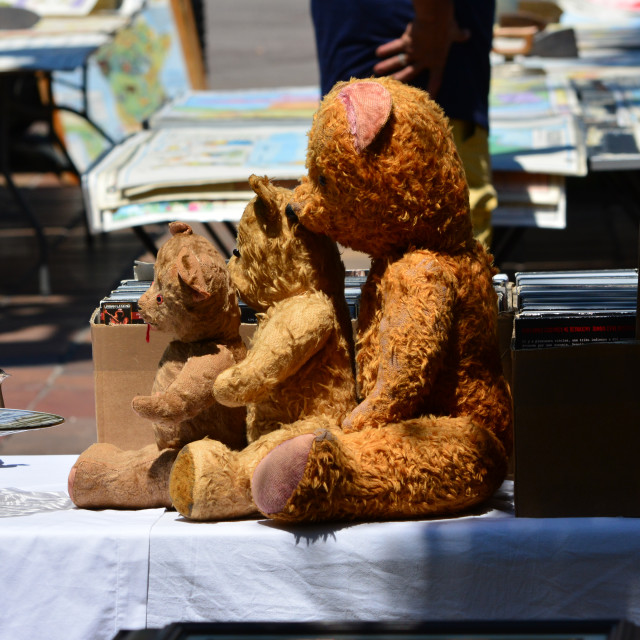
<point>43,258</point>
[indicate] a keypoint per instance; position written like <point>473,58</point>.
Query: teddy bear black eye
<point>236,253</point>
<point>291,214</point>
<point>159,298</point>
<point>322,181</point>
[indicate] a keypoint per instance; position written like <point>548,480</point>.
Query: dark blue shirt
<point>348,33</point>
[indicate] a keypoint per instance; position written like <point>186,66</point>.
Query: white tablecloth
<point>493,567</point>
<point>69,573</point>
<point>66,572</point>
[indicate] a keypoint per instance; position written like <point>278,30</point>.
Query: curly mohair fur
<point>432,430</point>
<point>301,358</point>
<point>298,373</point>
<point>193,300</point>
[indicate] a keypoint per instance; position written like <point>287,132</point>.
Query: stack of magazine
<point>194,160</point>
<point>565,308</point>
<point>188,173</point>
<point>611,116</point>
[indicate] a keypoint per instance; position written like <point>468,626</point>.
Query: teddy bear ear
<point>368,106</point>
<point>191,270</point>
<point>180,227</point>
<point>266,205</point>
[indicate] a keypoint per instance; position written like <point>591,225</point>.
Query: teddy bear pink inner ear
<point>368,106</point>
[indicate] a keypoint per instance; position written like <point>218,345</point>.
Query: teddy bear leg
<point>105,477</point>
<point>209,481</point>
<point>422,467</point>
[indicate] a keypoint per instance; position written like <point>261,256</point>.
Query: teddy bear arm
<point>292,335</point>
<point>414,332</point>
<point>190,393</point>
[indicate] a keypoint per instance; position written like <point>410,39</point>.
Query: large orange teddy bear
<point>433,428</point>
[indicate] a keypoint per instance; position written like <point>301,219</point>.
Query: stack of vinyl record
<point>121,305</point>
<point>564,308</point>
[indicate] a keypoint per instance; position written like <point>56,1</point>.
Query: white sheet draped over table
<point>68,573</point>
<point>74,574</point>
<point>491,567</point>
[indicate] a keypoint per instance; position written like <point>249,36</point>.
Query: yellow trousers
<point>472,142</point>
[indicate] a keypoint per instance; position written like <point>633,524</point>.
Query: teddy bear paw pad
<point>182,482</point>
<point>279,473</point>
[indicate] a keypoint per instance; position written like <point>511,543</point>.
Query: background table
<point>28,53</point>
<point>69,573</point>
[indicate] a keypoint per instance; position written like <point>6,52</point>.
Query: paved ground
<point>254,43</point>
<point>44,340</point>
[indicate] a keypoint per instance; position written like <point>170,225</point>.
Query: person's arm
<point>424,45</point>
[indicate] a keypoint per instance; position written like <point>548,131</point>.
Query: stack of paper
<point>195,160</point>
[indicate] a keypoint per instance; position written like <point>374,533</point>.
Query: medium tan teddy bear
<point>298,373</point>
<point>434,424</point>
<point>192,299</point>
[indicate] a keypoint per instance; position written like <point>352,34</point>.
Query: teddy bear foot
<point>105,477</point>
<point>302,472</point>
<point>208,483</point>
<point>279,473</point>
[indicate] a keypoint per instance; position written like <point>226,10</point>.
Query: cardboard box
<point>125,366</point>
<point>577,430</point>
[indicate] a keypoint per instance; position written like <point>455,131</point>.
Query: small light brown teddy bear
<point>434,424</point>
<point>192,299</point>
<point>298,375</point>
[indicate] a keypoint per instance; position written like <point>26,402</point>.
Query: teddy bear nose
<point>290,212</point>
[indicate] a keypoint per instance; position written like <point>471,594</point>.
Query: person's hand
<point>424,45</point>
